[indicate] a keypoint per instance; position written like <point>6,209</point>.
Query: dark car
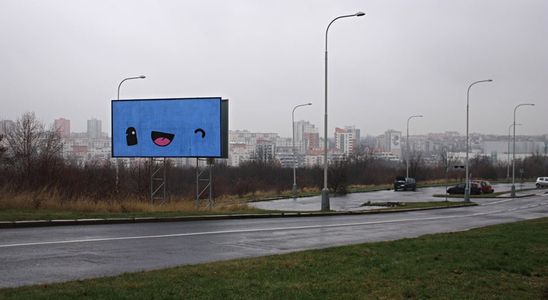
<point>405,183</point>
<point>458,189</point>
<point>485,186</point>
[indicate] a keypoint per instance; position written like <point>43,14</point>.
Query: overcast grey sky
<point>66,58</point>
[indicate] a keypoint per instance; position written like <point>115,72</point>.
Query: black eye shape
<point>131,136</point>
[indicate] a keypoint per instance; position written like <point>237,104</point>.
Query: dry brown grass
<point>52,200</point>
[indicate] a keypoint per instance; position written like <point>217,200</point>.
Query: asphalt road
<point>353,202</point>
<point>54,254</point>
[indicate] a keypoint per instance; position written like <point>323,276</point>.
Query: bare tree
<point>483,167</point>
<point>416,165</point>
<point>50,149</point>
<point>2,147</point>
<point>24,141</point>
<point>31,148</point>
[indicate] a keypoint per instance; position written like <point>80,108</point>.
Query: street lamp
<point>294,155</point>
<point>129,78</point>
<point>117,168</point>
<point>467,186</point>
<point>325,190</point>
<point>407,142</point>
<point>508,160</point>
<point>514,149</point>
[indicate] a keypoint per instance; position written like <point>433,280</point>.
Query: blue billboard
<point>182,127</point>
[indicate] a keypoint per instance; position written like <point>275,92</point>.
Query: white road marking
<point>497,202</point>
<point>265,229</point>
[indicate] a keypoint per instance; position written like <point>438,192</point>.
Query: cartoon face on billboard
<point>169,127</point>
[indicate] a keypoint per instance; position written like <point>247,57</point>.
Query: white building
<point>239,153</point>
<point>347,139</point>
<point>502,150</point>
<point>245,145</point>
<point>306,136</point>
<point>391,142</point>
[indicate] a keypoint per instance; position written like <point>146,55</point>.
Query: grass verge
<point>49,205</point>
<point>508,261</point>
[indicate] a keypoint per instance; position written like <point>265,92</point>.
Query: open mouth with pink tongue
<point>161,139</point>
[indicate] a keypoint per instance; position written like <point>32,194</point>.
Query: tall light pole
<point>508,160</point>
<point>407,144</point>
<point>117,168</point>
<point>294,154</point>
<point>325,190</point>
<point>514,150</point>
<point>467,186</point>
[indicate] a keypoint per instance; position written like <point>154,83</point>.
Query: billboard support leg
<point>204,181</point>
<point>157,180</point>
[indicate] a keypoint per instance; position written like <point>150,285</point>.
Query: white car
<point>542,182</point>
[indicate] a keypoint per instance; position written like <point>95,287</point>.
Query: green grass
<point>507,261</point>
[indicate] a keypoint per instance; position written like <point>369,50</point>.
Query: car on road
<point>542,182</point>
<point>458,189</point>
<point>485,186</point>
<point>405,183</point>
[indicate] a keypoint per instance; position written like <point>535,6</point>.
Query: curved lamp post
<point>407,144</point>
<point>129,78</point>
<point>325,190</point>
<point>508,153</point>
<point>514,150</point>
<point>467,186</point>
<point>117,169</point>
<point>294,154</point>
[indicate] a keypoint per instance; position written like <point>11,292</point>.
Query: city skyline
<point>346,141</point>
<point>84,129</point>
<point>331,135</point>
<point>66,58</point>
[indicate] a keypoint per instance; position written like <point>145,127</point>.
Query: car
<point>542,182</point>
<point>405,183</point>
<point>458,189</point>
<point>485,186</point>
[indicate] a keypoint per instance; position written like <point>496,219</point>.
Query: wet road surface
<point>353,202</point>
<point>54,254</point>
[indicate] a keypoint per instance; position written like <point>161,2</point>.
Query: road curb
<point>100,221</point>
